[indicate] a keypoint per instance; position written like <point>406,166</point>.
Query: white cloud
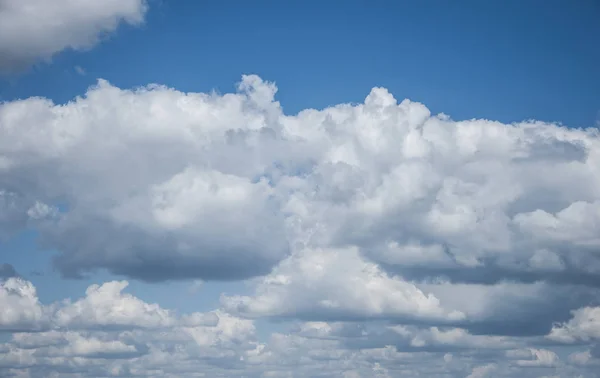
<point>38,29</point>
<point>222,345</point>
<point>469,233</point>
<point>483,371</point>
<point>532,357</point>
<point>584,358</point>
<point>180,196</point>
<point>337,284</point>
<point>106,305</point>
<point>158,184</point>
<point>19,306</point>
<point>583,326</point>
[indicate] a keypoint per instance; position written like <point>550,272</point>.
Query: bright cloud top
<point>38,29</point>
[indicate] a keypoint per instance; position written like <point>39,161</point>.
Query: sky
<point>299,189</point>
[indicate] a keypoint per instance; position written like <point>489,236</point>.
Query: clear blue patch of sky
<point>505,60</point>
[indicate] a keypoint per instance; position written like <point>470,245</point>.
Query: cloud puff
<point>337,284</point>
<point>584,326</point>
<point>532,357</point>
<point>104,307</point>
<point>483,371</point>
<point>157,184</point>
<point>20,307</point>
<point>144,194</point>
<point>36,29</point>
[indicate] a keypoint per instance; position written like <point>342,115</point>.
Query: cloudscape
<point>238,215</point>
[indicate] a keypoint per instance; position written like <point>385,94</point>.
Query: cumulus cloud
<point>483,371</point>
<point>97,336</point>
<point>37,29</point>
<point>461,235</point>
<point>534,357</point>
<point>19,306</point>
<point>155,197</point>
<point>337,284</point>
<point>584,326</point>
<point>104,307</point>
<point>158,184</point>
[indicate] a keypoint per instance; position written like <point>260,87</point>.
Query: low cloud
<point>109,332</point>
<point>462,235</point>
<point>158,184</point>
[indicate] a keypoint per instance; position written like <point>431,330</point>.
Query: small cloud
<point>195,286</point>
<point>80,70</point>
<point>76,26</point>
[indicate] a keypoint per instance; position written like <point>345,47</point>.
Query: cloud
<point>483,371</point>
<point>32,30</point>
<point>337,284</point>
<point>20,307</point>
<point>583,326</point>
<point>157,184</point>
<point>534,357</point>
<point>111,333</point>
<point>181,197</point>
<point>106,305</point>
<point>391,235</point>
<point>511,308</point>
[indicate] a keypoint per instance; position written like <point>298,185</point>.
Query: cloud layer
<point>158,184</point>
<point>31,30</point>
<point>388,235</point>
<point>110,333</point>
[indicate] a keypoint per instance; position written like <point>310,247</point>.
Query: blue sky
<point>438,223</point>
<point>506,61</point>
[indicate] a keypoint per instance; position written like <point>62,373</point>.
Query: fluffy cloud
<point>104,307</point>
<point>98,335</point>
<point>584,326</point>
<point>455,235</point>
<point>534,357</point>
<point>483,371</point>
<point>144,194</point>
<point>19,306</point>
<point>337,284</point>
<point>38,29</point>
<point>158,184</point>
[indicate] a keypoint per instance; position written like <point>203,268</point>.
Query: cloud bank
<point>109,333</point>
<point>158,184</point>
<point>388,235</point>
